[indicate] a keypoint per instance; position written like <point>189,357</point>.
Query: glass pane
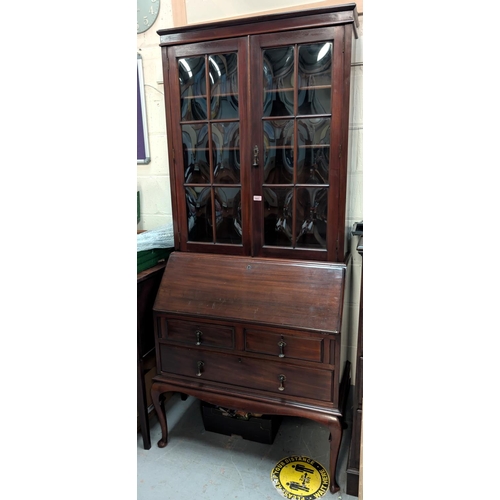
<point>313,151</point>
<point>312,209</point>
<point>226,142</point>
<point>193,88</point>
<point>315,78</point>
<point>278,81</point>
<point>314,101</point>
<point>278,152</point>
<point>199,213</point>
<point>228,215</point>
<point>278,204</point>
<point>223,73</point>
<point>315,64</point>
<point>196,153</point>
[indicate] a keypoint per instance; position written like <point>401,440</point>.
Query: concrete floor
<point>200,464</point>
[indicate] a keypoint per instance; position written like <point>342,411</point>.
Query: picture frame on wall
<point>143,156</point>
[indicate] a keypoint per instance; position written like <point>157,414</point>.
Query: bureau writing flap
<point>300,294</point>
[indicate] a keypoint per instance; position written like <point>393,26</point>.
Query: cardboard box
<point>262,429</point>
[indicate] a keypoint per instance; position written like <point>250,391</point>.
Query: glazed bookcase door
<point>208,83</point>
<point>296,127</point>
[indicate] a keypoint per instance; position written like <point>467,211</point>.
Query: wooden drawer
<point>284,346</point>
<point>200,334</point>
<point>247,372</point>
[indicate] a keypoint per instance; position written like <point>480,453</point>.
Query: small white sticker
<point>257,198</point>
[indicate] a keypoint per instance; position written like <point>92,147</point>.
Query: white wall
<point>354,208</point>
<point>204,10</point>
<point>153,179</point>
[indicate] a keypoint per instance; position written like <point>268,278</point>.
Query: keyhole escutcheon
<point>199,334</point>
<point>255,156</point>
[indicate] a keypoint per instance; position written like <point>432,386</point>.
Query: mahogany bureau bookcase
<point>249,312</point>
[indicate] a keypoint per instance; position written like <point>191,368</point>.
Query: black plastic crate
<point>262,429</point>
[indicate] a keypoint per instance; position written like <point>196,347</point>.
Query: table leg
<point>156,392</point>
<point>335,439</point>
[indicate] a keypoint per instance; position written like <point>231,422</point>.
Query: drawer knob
<point>282,345</point>
<point>281,378</point>
<point>199,334</point>
<point>200,368</point>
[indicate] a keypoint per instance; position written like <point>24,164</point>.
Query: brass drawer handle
<point>199,334</point>
<point>281,345</point>
<point>281,378</point>
<point>200,368</point>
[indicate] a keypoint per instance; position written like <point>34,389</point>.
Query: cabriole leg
<point>335,439</point>
<point>156,392</point>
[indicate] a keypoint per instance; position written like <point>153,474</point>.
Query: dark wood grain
<point>292,346</point>
<point>219,324</point>
<point>199,333</point>
<point>297,294</point>
<point>257,325</point>
<point>248,38</point>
